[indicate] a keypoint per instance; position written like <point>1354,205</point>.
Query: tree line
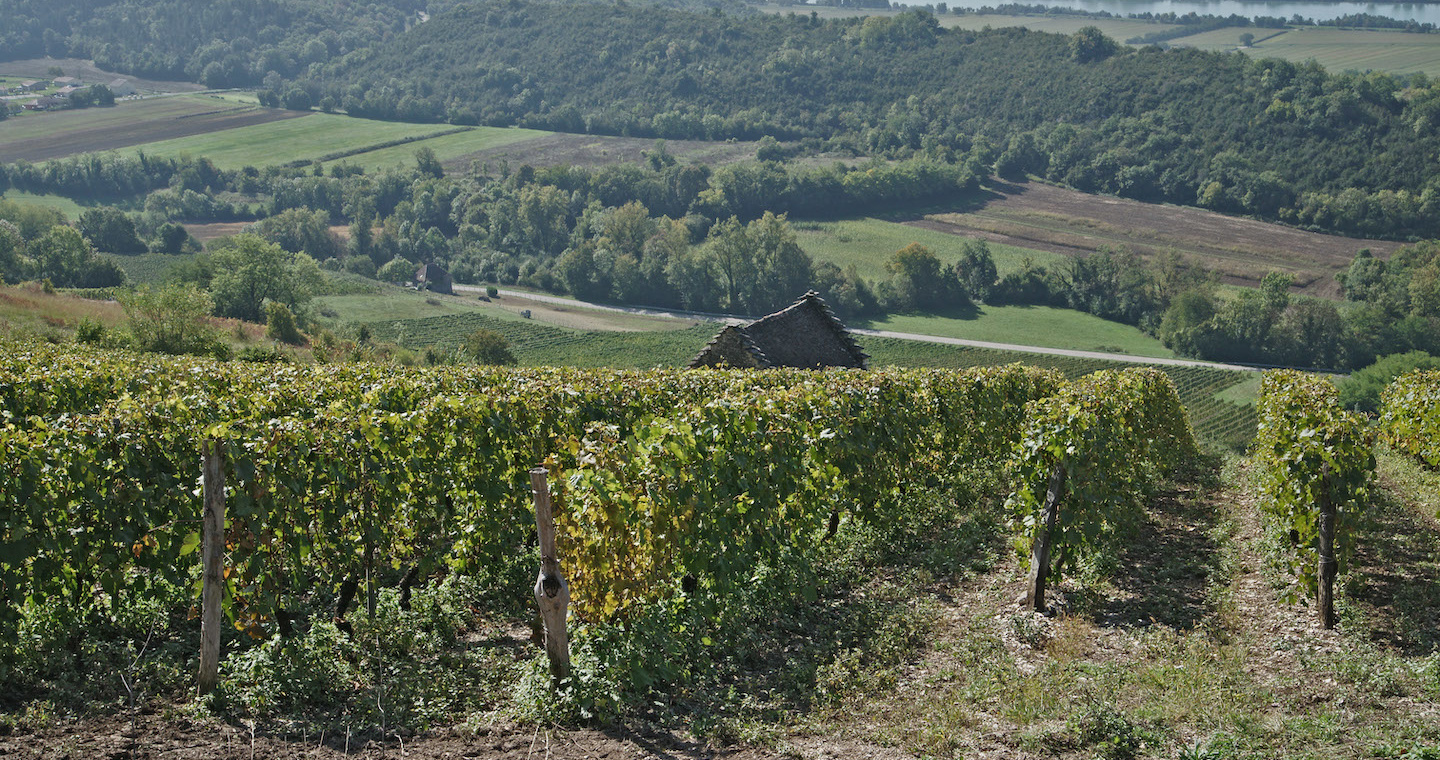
<point>668,234</point>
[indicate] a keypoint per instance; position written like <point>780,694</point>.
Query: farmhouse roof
<point>804,334</point>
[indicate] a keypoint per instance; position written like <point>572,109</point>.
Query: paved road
<point>694,315</point>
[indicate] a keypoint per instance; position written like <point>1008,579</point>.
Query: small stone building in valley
<point>434,279</point>
<point>805,334</point>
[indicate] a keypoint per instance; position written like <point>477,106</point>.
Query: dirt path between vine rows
<point>155,736</point>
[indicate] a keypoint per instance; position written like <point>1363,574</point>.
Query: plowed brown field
<point>1242,250</point>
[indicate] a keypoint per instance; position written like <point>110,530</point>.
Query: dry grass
<point>27,310</point>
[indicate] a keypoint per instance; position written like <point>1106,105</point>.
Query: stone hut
<point>431,277</point>
<point>805,334</point>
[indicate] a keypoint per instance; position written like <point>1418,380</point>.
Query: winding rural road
<point>693,315</point>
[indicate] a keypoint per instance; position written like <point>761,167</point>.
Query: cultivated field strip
<point>129,124</point>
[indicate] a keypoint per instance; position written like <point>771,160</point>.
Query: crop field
<point>1241,250</point>
<point>1390,51</point>
<point>1119,29</point>
<point>310,137</point>
<point>148,268</point>
<point>40,137</point>
<point>867,243</point>
<point>453,150</point>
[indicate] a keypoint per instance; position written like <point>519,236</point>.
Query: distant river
<point>1248,8</point>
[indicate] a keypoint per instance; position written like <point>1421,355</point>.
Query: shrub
<point>487,347</point>
<point>170,320</point>
<point>1361,391</point>
<point>280,324</point>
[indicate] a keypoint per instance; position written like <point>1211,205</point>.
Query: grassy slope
<point>1031,326</point>
<point>26,310</point>
<point>868,242</point>
<point>627,342</point>
<point>69,208</point>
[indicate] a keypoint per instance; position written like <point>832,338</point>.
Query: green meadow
<point>1043,326</point>
<point>867,243</point>
<point>280,142</point>
<point>69,208</point>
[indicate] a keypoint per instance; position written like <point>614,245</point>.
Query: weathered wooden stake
<point>552,593</point>
<point>1040,550</point>
<point>1328,565</point>
<point>213,558</point>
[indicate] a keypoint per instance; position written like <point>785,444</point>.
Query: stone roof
<point>433,278</point>
<point>805,334</point>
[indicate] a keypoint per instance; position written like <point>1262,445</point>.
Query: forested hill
<point>1263,137</point>
<point>219,43</point>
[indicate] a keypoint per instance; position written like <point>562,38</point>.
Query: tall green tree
<point>249,271</point>
<point>109,229</point>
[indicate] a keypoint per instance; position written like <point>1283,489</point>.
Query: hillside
<point>1219,130</point>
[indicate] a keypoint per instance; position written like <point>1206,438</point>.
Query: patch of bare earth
<point>1242,251</point>
<point>1395,589</point>
<point>176,737</point>
<point>1278,634</point>
<point>213,230</point>
<point>596,150</point>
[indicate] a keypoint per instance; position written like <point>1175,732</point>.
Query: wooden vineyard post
<point>212,555</point>
<point>1328,565</point>
<point>1040,550</point>
<point>552,593</point>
